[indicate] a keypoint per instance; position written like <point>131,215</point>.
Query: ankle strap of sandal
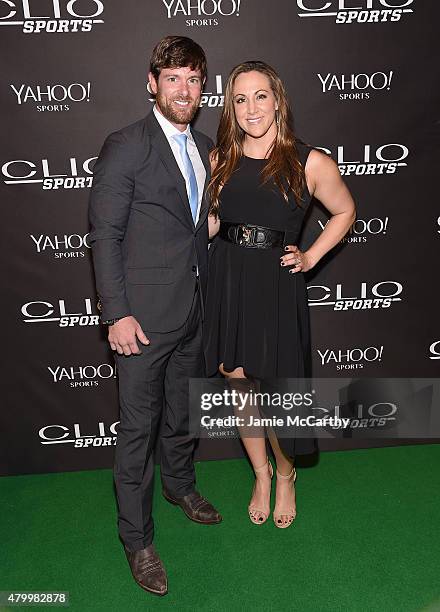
<point>292,472</point>
<point>265,466</point>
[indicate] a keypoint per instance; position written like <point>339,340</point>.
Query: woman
<point>257,324</point>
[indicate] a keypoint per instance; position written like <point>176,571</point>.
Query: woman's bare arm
<point>326,185</point>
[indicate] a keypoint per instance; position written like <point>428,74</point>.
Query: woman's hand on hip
<point>299,261</point>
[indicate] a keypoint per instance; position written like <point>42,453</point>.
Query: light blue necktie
<point>193,197</point>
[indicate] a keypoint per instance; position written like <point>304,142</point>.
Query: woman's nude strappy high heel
<point>253,511</point>
<point>289,512</point>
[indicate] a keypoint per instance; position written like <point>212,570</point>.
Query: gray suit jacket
<point>146,250</point>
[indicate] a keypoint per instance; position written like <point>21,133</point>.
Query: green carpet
<point>366,538</point>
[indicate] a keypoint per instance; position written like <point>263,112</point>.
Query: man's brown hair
<point>177,52</point>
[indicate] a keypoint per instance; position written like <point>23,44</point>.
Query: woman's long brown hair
<point>283,165</point>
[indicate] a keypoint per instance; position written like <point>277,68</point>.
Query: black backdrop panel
<point>359,74</point>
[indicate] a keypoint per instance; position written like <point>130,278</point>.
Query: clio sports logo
<point>369,159</point>
<point>79,435</point>
<point>42,311</point>
<point>75,174</point>
<point>363,296</point>
<point>213,99</point>
<point>54,16</point>
<point>365,11</point>
<point>434,350</point>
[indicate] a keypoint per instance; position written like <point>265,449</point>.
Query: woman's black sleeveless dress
<point>256,312</point>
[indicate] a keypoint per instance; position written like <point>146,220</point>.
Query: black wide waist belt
<point>251,236</point>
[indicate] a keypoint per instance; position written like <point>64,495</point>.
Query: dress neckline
<point>255,158</point>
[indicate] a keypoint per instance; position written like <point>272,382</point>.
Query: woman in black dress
<point>257,321</point>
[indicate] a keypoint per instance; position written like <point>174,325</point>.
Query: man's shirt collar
<point>168,128</point>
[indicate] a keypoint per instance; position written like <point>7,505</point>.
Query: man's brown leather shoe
<point>147,570</point>
<point>196,507</point>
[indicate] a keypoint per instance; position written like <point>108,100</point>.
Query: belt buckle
<point>247,235</point>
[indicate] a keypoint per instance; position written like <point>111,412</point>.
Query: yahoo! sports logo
<point>365,11</point>
<point>66,246</point>
<point>351,358</point>
<point>201,13</point>
<point>55,16</point>
<point>79,376</point>
<point>363,229</point>
<point>355,86</point>
<point>51,98</point>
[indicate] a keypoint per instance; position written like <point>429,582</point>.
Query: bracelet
<point>110,321</point>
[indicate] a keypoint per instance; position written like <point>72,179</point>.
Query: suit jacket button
<point>194,268</point>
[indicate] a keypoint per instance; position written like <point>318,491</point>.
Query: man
<point>149,237</point>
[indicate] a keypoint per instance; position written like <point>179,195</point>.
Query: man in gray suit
<point>149,236</point>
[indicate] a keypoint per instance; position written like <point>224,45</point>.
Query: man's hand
<point>122,336</point>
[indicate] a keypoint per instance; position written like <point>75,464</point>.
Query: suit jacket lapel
<point>163,148</point>
<point>204,155</point>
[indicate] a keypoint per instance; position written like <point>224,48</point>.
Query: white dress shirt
<point>199,169</point>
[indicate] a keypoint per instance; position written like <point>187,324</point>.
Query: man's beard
<point>170,111</point>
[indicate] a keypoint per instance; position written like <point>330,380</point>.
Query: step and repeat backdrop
<point>360,77</point>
